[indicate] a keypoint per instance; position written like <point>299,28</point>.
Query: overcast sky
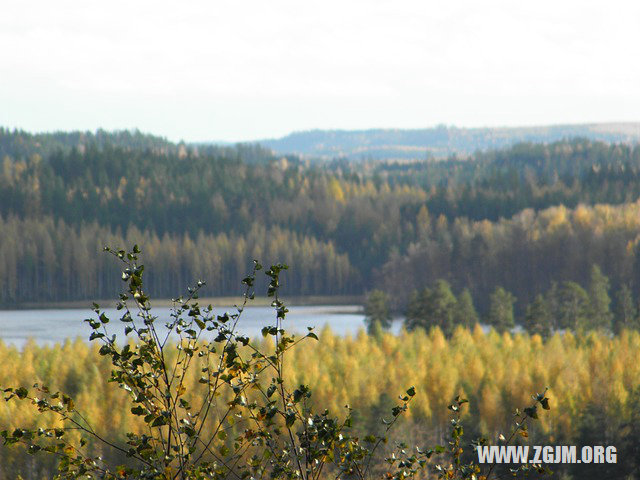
<point>241,70</point>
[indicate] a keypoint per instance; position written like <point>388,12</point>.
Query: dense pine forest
<point>529,219</point>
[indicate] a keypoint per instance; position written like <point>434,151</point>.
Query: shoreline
<point>306,300</point>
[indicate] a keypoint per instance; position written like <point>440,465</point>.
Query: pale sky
<point>242,70</point>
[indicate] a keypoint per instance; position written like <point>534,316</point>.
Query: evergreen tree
<point>573,307</point>
<point>629,447</point>
<point>415,314</point>
<point>501,310</point>
<point>626,314</point>
<point>376,311</point>
<point>596,427</point>
<point>464,312</point>
<point>552,300</point>
<point>599,300</point>
<point>441,307</point>
<point>537,319</point>
<point>432,308</point>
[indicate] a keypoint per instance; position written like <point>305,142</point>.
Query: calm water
<point>51,326</point>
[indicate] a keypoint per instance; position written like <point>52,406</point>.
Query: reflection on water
<point>55,326</point>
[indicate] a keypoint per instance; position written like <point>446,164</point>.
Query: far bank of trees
<point>565,306</point>
<point>525,254</point>
<point>48,260</point>
<point>521,219</point>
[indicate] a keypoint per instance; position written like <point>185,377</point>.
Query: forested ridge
<point>438,141</point>
<point>521,218</point>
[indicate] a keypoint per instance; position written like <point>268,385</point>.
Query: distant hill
<point>441,141</point>
<point>21,144</point>
<point>18,144</point>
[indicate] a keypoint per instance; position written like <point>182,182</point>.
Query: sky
<point>221,70</point>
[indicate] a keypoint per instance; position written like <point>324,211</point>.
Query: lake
<point>48,326</point>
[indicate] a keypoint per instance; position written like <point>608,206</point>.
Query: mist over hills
<point>438,142</point>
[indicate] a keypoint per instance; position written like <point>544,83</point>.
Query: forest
<point>528,219</point>
<point>595,396</point>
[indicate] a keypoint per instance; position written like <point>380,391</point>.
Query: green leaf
<point>68,401</point>
<point>160,421</point>
<point>545,403</point>
<point>33,449</point>
<point>411,391</point>
<point>271,390</point>
<point>93,324</point>
<point>138,410</point>
<point>95,335</point>
<point>290,419</point>
<point>21,392</point>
